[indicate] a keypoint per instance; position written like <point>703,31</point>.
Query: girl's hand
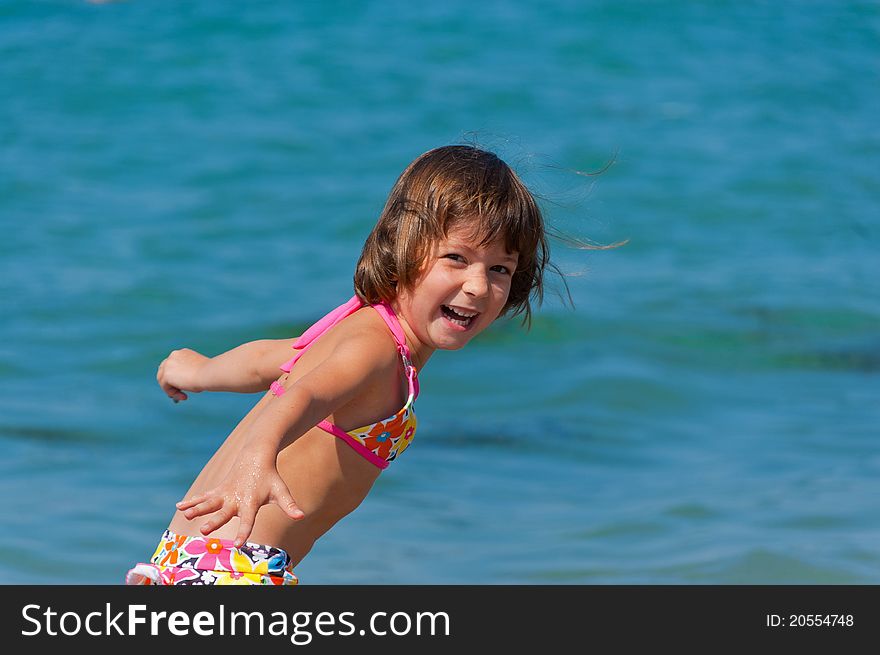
<point>252,483</point>
<point>179,372</point>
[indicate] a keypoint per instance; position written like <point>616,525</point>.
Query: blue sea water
<point>202,174</point>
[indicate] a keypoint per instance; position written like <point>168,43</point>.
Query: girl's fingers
<point>169,390</point>
<point>186,503</point>
<point>219,519</point>
<point>286,502</point>
<point>246,524</point>
<point>205,507</point>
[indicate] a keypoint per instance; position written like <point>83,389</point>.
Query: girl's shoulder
<point>356,358</point>
<point>363,335</point>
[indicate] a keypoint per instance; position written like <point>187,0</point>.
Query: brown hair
<point>444,188</point>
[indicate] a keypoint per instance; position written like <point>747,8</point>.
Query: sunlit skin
<point>352,376</point>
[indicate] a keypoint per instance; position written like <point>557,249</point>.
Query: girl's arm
<point>366,358</point>
<point>248,368</point>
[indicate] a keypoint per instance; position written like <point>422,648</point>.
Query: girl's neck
<point>419,353</point>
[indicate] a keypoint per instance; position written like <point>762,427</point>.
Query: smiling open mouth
<point>461,319</point>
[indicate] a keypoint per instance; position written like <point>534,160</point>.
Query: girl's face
<point>462,288</point>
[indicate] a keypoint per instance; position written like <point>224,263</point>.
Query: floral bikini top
<point>382,441</point>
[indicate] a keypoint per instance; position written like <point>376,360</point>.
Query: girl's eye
<point>501,269</point>
<point>454,256</point>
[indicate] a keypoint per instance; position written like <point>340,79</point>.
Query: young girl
<point>460,242</point>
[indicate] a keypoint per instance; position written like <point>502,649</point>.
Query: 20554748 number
<point>815,620</point>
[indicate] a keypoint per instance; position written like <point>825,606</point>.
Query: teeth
<point>457,317</point>
<point>461,313</point>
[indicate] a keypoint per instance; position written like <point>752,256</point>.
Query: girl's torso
<point>327,477</point>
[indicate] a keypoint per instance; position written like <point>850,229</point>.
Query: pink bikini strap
<point>319,328</point>
<point>384,310</point>
<point>347,309</point>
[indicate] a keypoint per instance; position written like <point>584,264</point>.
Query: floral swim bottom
<point>182,560</point>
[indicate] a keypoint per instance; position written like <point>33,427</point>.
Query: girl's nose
<point>476,284</point>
